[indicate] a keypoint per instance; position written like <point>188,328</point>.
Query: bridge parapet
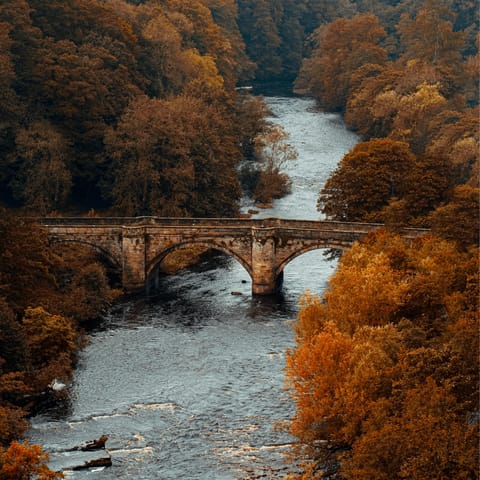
<point>226,222</point>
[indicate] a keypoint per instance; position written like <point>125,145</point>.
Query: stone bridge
<point>137,245</point>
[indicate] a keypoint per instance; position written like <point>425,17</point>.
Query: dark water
<point>190,384</point>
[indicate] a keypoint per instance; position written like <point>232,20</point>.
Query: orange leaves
<point>372,103</point>
<point>67,287</point>
<point>344,46</point>
<point>361,295</point>
<point>173,157</point>
<point>44,154</point>
<point>80,68</point>
<point>204,70</point>
<point>336,377</point>
<point>423,439</point>
<point>420,97</point>
<point>386,365</point>
<point>316,370</point>
<point>12,426</point>
<point>23,461</point>
<point>47,335</point>
<point>430,36</point>
<point>414,113</point>
<point>369,377</point>
<point>310,319</point>
<point>200,33</point>
<point>381,180</point>
<point>458,220</point>
<point>366,179</point>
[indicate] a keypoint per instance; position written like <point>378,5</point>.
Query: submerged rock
<point>96,462</point>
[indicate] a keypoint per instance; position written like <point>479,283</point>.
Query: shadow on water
<point>195,295</point>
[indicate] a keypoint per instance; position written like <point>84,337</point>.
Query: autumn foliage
<point>22,461</point>
<point>343,47</point>
<point>131,106</point>
<point>385,371</point>
<point>273,153</point>
<point>46,294</point>
<point>406,83</point>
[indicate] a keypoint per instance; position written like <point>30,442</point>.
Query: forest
<point>131,107</point>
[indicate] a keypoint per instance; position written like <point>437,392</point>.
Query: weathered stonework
<point>264,247</point>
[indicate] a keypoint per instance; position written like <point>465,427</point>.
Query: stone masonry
<point>137,245</point>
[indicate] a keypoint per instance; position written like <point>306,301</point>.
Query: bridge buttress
<point>133,257</point>
<point>264,281</point>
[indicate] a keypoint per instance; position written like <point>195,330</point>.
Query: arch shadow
<point>153,264</point>
<point>109,260</point>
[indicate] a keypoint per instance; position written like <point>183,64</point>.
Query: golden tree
<point>22,461</point>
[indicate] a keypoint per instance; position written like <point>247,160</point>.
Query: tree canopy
<point>385,370</point>
<point>131,107</point>
<point>75,72</point>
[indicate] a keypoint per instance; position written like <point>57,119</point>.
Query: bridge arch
<point>262,246</point>
<point>104,253</point>
<point>157,259</point>
<point>297,253</point>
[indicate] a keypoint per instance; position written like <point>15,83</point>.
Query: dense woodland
<point>385,372</point>
<point>132,108</point>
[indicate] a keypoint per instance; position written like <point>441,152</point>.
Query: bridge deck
<point>264,223</point>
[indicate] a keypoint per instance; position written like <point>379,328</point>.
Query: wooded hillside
<point>110,104</point>
<point>132,108</point>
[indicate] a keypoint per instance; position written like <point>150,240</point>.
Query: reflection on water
<point>189,383</point>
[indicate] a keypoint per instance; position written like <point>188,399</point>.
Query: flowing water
<point>189,384</point>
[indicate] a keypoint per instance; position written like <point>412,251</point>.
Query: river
<point>189,384</point>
